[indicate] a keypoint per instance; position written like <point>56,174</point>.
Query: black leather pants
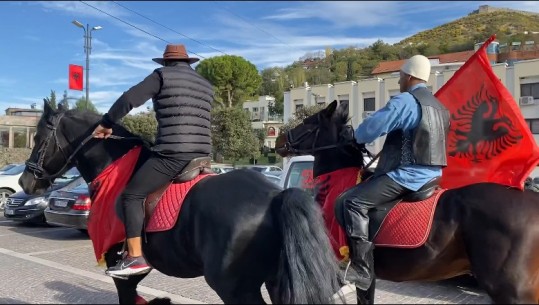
<point>152,175</point>
<point>354,205</point>
<point>357,202</point>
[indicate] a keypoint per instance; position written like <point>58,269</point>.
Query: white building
<point>368,95</point>
<point>261,119</point>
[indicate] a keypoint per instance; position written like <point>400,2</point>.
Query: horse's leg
<point>232,292</point>
<point>127,289</point>
<point>503,259</point>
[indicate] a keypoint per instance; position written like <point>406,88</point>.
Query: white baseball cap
<point>417,66</point>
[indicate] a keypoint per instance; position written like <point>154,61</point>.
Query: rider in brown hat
<point>182,103</point>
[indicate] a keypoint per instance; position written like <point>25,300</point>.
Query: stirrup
<point>345,281</point>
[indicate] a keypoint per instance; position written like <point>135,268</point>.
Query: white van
<point>298,172</point>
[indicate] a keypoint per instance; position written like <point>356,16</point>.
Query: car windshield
<point>6,167</point>
<point>69,176</point>
<point>18,169</point>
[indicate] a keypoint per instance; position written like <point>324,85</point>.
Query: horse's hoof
<point>160,301</point>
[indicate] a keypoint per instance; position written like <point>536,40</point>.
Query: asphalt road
<point>43,264</point>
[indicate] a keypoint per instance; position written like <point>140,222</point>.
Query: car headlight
<point>36,201</point>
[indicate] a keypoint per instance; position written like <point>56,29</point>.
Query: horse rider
<point>182,102</point>
<point>414,152</point>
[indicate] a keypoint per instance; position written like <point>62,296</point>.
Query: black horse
<point>486,229</point>
<point>237,229</point>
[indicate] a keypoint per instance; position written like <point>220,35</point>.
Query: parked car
<point>6,167</point>
<point>30,208</point>
<point>70,206</point>
<point>267,169</point>
<point>221,169</point>
<point>273,178</point>
<point>9,183</point>
<point>298,172</point>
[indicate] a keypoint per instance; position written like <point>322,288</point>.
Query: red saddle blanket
<point>407,225</point>
<point>167,211</point>
<point>105,227</point>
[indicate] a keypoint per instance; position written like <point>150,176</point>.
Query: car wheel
<point>83,231</point>
<point>4,194</point>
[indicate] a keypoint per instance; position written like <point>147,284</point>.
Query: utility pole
<point>87,49</point>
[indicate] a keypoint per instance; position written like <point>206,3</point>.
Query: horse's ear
<point>344,110</point>
<point>330,109</point>
<point>47,109</point>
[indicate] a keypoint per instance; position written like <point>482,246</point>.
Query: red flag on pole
<point>75,77</point>
<point>488,140</point>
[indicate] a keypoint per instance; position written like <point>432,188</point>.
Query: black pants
<point>157,171</point>
<point>358,201</point>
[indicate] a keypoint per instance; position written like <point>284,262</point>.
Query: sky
<point>39,41</point>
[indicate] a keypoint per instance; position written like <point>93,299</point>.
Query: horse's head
<point>49,157</point>
<point>326,130</point>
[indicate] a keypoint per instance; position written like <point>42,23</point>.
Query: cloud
<point>287,46</point>
<point>350,14</point>
<point>81,9</point>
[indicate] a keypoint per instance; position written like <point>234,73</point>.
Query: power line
<point>134,26</point>
<point>251,24</point>
<point>166,27</point>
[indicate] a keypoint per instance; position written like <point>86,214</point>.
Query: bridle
<point>36,168</point>
<point>291,143</point>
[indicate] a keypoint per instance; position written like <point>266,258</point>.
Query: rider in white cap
<point>416,125</point>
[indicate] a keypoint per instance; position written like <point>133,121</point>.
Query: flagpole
<point>87,49</point>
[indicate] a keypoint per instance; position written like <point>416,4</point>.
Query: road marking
<point>98,277</point>
<point>58,250</point>
<point>37,232</point>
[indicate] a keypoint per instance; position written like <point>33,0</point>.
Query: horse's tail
<point>308,269</point>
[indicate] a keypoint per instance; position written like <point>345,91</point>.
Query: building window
<point>530,90</point>
<point>345,98</point>
<point>299,106</point>
<point>369,104</point>
<point>533,124</point>
<point>271,132</point>
<point>255,109</point>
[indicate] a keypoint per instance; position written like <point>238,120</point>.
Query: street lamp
<point>87,49</point>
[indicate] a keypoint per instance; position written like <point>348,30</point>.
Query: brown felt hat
<point>175,52</point>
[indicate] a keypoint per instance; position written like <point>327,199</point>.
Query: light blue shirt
<point>402,112</point>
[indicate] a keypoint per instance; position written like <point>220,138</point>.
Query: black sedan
<point>69,207</point>
<point>29,208</point>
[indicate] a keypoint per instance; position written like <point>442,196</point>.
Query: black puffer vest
<point>183,109</point>
<point>425,145</point>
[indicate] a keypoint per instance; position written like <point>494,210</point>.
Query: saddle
<point>196,167</point>
<point>378,214</point>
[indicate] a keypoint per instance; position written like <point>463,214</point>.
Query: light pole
<point>87,49</point>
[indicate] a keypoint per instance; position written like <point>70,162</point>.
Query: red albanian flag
<point>75,77</point>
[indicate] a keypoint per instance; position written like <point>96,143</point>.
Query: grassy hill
<point>462,33</point>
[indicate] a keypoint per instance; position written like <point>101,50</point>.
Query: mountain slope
<point>462,33</point>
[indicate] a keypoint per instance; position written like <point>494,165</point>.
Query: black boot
<point>362,263</point>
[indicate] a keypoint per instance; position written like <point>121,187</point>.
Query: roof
<point>395,65</point>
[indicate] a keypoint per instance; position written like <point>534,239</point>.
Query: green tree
<point>299,116</point>
<point>233,77</point>
<point>232,134</point>
<point>81,104</point>
<point>142,124</point>
<point>64,102</point>
<point>274,82</point>
<point>52,100</point>
<point>260,134</point>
